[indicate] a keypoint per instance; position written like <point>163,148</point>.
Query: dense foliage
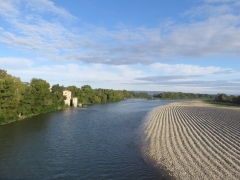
<point>180,95</point>
<point>87,95</point>
<point>228,99</point>
<point>19,100</point>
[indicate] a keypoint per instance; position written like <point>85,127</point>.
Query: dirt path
<point>194,140</point>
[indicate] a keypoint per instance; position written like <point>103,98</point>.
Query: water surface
<point>97,142</point>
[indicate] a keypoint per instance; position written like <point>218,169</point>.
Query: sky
<point>146,45</point>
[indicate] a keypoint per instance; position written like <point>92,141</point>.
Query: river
<point>96,142</point>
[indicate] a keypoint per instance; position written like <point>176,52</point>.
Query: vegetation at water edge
<point>19,99</point>
<point>181,95</point>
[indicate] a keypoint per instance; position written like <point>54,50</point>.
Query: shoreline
<point>193,140</point>
<point>58,109</point>
<point>32,115</point>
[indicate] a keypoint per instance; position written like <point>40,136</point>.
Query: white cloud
<point>158,76</point>
<point>207,10</point>
<point>32,32</point>
<point>190,78</point>
<point>215,34</point>
<point>12,62</point>
<point>189,70</point>
<point>11,8</point>
<point>71,73</point>
<point>8,9</point>
<point>47,6</point>
<point>220,1</point>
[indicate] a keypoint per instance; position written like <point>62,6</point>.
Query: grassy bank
<point>221,104</point>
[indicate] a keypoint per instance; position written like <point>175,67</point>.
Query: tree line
<point>228,99</point>
<point>181,95</point>
<point>22,99</point>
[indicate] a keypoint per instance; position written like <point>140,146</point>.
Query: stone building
<point>75,102</point>
<point>69,100</point>
<point>68,95</point>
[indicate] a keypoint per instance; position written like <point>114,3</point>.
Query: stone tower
<point>68,95</point>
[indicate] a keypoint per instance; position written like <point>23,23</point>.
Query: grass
<point>221,104</point>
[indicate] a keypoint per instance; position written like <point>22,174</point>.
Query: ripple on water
<point>96,142</point>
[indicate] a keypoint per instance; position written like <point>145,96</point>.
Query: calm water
<point>97,142</point>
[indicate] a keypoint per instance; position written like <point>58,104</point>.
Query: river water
<point>96,142</point>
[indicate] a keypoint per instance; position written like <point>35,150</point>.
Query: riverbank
<point>194,140</point>
<point>20,118</point>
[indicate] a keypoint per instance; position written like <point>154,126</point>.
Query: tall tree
<point>10,95</point>
<point>26,104</point>
<point>41,94</point>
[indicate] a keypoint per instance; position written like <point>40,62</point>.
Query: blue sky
<point>188,45</point>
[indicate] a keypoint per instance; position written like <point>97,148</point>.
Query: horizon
<point>176,46</point>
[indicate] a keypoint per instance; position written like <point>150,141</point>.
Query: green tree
<point>10,95</point>
<point>57,88</point>
<point>26,103</point>
<point>41,94</point>
<point>221,97</point>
